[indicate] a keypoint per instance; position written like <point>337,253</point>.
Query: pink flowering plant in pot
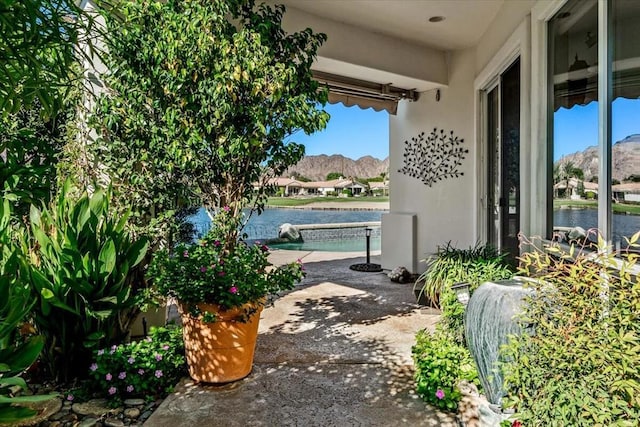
<point>220,271</point>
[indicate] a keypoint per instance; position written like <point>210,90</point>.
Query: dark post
<point>368,233</point>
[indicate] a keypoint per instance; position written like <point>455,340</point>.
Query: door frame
<point>518,45</point>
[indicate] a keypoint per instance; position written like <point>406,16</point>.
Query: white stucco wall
<point>445,211</point>
<point>450,210</point>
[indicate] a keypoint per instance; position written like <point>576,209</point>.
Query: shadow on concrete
<point>336,351</point>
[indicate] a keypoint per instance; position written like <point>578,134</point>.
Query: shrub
<point>474,273</point>
<point>148,368</point>
<point>211,272</point>
<point>81,273</point>
<point>441,365</point>
<point>452,265</point>
<point>580,368</point>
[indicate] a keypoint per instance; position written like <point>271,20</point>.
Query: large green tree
<point>39,44</point>
<point>202,99</point>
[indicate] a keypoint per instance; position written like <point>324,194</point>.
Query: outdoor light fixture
<point>367,266</point>
<point>436,19</point>
<point>462,292</point>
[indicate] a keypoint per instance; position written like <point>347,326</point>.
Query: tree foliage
<point>40,40</point>
<point>333,175</point>
<point>202,97</point>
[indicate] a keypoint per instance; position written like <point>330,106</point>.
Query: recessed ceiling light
<point>436,19</point>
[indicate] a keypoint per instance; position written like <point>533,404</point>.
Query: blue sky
<point>352,132</point>
<point>577,128</point>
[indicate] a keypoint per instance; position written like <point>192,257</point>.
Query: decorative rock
<point>289,232</point>
<point>145,415</point>
<point>400,275</point>
<point>69,418</point>
<point>113,422</point>
<point>132,413</point>
<point>93,407</point>
<point>134,402</point>
<point>55,424</point>
<point>88,422</point>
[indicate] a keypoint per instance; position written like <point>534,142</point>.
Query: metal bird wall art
<point>434,157</point>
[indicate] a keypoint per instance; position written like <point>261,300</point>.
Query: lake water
<point>265,226</point>
<point>623,225</point>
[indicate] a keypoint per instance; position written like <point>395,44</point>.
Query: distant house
<point>286,186</point>
<point>628,192</point>
<point>569,188</point>
<point>379,188</point>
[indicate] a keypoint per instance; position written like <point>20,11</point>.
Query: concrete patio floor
<point>336,351</point>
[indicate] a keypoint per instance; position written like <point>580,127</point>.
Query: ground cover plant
<point>148,368</point>
<point>580,366</point>
<point>441,364</point>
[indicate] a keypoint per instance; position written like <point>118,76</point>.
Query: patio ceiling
<point>389,43</point>
<point>465,20</point>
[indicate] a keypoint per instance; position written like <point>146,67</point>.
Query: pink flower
<point>101,352</point>
<point>216,243</point>
<point>108,377</point>
<point>440,394</point>
<point>131,360</point>
<point>129,388</point>
<point>185,254</point>
<point>112,390</point>
<point>158,373</point>
<point>158,357</point>
<point>122,375</point>
<point>113,349</point>
<point>165,347</point>
<point>233,290</point>
<point>93,367</point>
<point>70,397</point>
<point>264,248</point>
<point>226,209</point>
<point>203,269</point>
<point>221,274</point>
<point>140,371</point>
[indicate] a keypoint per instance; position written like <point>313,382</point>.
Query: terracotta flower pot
<point>221,351</point>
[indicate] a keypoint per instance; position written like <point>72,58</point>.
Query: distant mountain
<point>625,156</point>
<point>318,167</point>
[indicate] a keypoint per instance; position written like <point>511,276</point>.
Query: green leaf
<point>13,414</point>
<point>107,258</point>
<point>137,251</point>
<point>24,355</point>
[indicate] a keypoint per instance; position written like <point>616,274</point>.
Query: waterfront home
<point>497,75</point>
<point>285,186</point>
<point>627,192</point>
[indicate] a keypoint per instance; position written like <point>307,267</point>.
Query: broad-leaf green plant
<point>16,353</point>
<point>82,268</point>
<point>580,365</point>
